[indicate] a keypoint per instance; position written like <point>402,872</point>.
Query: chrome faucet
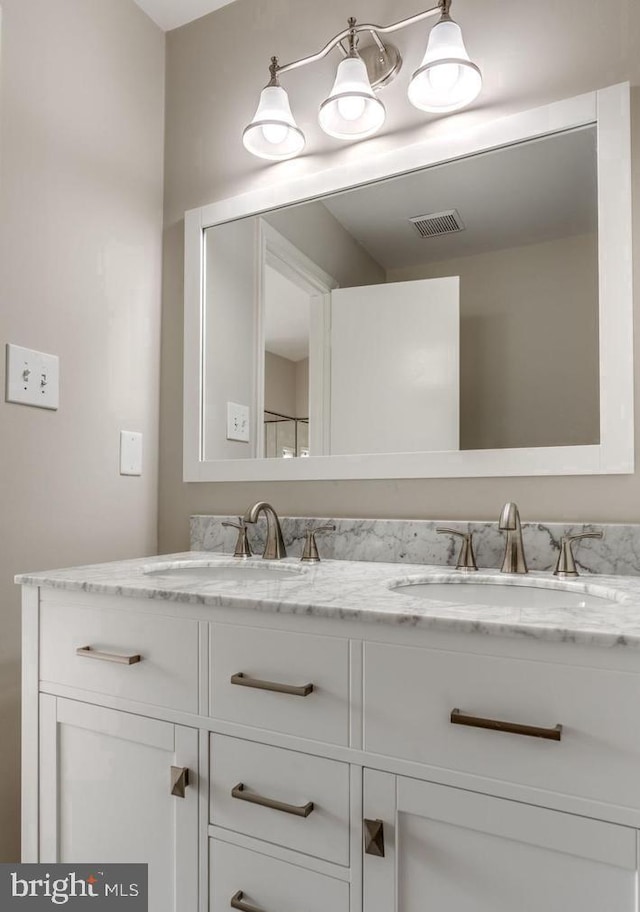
<point>509,522</point>
<point>274,548</point>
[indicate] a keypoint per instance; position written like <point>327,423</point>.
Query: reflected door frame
<point>275,251</point>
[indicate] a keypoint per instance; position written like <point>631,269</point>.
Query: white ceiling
<point>286,317</point>
<point>525,194</point>
<point>170,14</point>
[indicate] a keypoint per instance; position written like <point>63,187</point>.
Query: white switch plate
<point>32,378</point>
<point>238,422</point>
<point>130,453</point>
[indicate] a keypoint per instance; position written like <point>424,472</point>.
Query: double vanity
<point>344,735</point>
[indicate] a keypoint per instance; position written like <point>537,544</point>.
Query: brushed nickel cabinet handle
<point>237,902</point>
<point>179,781</point>
<point>242,794</point>
<point>87,652</point>
<point>243,680</point>
<point>512,728</point>
<point>374,838</point>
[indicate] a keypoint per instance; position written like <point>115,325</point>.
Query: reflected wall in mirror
<point>286,319</point>
<point>451,308</point>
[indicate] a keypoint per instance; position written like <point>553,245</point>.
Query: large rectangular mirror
<point>467,316</point>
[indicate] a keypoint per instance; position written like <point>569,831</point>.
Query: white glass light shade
<point>273,132</point>
<point>447,80</point>
<point>352,110</point>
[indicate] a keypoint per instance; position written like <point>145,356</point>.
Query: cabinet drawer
<point>410,694</point>
<point>298,784</point>
<point>256,880</point>
<point>242,656</point>
<point>166,674</point>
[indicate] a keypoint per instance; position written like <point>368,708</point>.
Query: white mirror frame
<point>609,109</point>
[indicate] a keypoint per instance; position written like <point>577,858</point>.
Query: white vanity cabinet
<point>449,849</point>
<point>305,737</point>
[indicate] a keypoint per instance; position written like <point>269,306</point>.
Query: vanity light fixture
<point>446,81</point>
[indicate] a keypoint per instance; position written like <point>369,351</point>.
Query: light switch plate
<point>130,453</point>
<point>32,378</point>
<point>238,422</point>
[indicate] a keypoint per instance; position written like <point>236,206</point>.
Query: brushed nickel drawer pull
<point>179,781</point>
<point>242,794</point>
<point>237,902</point>
<point>512,728</point>
<point>243,680</point>
<point>86,652</point>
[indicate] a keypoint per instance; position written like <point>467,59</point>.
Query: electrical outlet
<point>32,378</point>
<point>238,422</point>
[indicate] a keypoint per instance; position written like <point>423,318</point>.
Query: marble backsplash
<point>417,542</point>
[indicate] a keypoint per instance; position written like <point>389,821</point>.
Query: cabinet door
<point>105,796</point>
<point>448,849</point>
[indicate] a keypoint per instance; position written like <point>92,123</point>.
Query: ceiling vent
<point>438,223</point>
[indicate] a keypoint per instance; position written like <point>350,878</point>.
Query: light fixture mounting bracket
<point>383,63</point>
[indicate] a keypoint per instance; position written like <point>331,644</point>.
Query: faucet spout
<point>509,522</point>
<point>274,548</point>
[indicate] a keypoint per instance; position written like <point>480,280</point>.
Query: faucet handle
<point>566,564</point>
<point>466,558</point>
<point>243,548</point>
<point>310,553</point>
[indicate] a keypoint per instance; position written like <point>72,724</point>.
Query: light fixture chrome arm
<point>440,9</point>
<point>378,40</point>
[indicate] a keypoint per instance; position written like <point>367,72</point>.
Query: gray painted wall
<point>318,234</point>
<point>81,129</point>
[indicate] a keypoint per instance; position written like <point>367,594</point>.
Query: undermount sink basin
<point>192,571</point>
<point>505,595</point>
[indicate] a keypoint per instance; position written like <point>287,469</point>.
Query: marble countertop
<point>364,591</point>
